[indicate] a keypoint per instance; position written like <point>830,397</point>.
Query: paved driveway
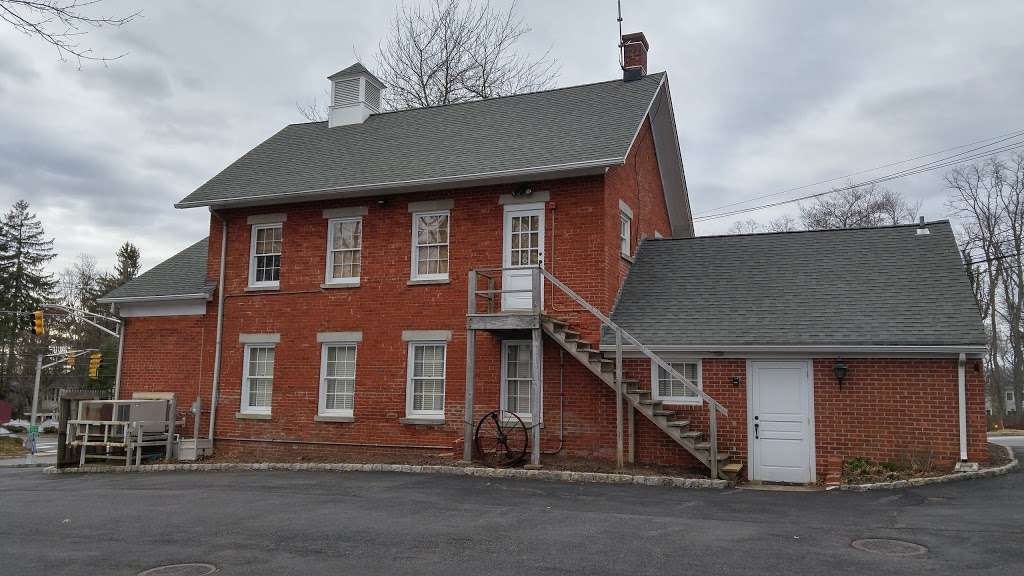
<point>361,523</point>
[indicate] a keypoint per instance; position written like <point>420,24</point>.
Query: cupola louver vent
<point>346,92</point>
<point>355,95</point>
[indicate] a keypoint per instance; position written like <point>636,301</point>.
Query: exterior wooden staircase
<point>607,367</point>
<point>640,399</point>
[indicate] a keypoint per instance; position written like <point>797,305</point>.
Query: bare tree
<point>989,199</point>
<point>858,206</point>
<point>60,23</point>
<point>450,51</point>
<point>784,223</point>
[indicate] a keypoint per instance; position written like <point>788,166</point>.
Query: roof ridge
<point>819,230</point>
<point>493,98</point>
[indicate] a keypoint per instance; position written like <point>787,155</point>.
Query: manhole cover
<point>889,546</point>
<point>181,570</point>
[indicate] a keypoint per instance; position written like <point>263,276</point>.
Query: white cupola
<point>355,94</point>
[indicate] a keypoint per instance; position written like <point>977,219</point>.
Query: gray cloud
<point>767,96</point>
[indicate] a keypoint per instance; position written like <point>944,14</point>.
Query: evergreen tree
<point>24,284</point>
<point>129,261</point>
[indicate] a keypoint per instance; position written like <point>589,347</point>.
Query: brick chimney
<point>634,56</point>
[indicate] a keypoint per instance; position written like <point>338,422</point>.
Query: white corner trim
<point>259,338</point>
<point>267,218</point>
<point>431,205</point>
<point>626,209</point>
<point>537,196</point>
<point>426,335</point>
<point>322,337</point>
<point>347,212</point>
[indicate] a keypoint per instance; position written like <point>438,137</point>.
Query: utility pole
<point>33,427</point>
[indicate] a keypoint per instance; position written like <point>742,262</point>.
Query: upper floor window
<point>265,263</point>
<point>430,245</point>
<point>670,389</point>
<point>257,378</point>
<point>344,250</point>
<point>625,221</point>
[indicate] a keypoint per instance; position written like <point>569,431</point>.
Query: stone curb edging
<point>548,475</point>
<point>986,473</point>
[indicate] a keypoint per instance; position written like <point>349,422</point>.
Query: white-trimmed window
<point>1009,395</point>
<point>424,395</point>
<point>517,378</point>
<point>344,250</point>
<point>257,378</point>
<point>625,222</point>
<point>265,260</point>
<point>430,245</point>
<point>337,379</point>
<point>669,389</point>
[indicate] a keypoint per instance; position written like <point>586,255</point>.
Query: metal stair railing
<point>621,335</point>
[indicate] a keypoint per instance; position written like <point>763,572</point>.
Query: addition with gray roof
<point>883,287</point>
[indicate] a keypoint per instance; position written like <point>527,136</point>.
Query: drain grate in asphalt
<point>194,569</point>
<point>889,547</point>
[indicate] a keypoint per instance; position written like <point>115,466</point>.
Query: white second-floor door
<point>523,252</point>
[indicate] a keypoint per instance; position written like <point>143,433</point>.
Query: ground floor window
<point>258,378</point>
<point>670,389</point>
<point>425,388</point>
<point>517,377</point>
<point>337,379</point>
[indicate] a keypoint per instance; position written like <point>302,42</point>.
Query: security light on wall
<point>840,369</point>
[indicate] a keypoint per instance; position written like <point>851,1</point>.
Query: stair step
<point>679,423</point>
<point>690,434</point>
<point>666,413</point>
<point>557,324</point>
<point>607,365</point>
<point>732,468</point>
<point>638,391</point>
<point>702,445</point>
<point>570,336</point>
<point>649,402</point>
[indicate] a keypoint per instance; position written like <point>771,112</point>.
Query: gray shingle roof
<point>585,126</point>
<point>862,287</point>
<point>181,274</point>
<point>356,68</point>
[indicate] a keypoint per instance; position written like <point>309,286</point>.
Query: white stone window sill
<point>627,257</point>
<point>252,416</point>
<point>426,281</point>
<point>333,418</point>
<point>268,288</point>
<point>422,421</point>
<point>340,284</point>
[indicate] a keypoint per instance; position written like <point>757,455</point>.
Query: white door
<point>780,422</point>
<point>523,252</point>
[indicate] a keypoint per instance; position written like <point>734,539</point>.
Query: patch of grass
<point>861,470</point>
<point>10,446</point>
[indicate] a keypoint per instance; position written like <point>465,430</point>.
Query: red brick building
<point>369,277</point>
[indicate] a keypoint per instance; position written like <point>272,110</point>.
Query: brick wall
<point>166,354</point>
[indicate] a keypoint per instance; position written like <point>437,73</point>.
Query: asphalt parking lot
<point>380,523</point>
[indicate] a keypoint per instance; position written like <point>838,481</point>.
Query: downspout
<point>220,323</point>
<point>962,384</point>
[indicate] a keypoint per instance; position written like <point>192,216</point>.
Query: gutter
<point>128,299</point>
<point>215,391</point>
<point>804,348</point>
<point>462,178</point>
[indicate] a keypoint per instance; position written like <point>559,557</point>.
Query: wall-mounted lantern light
<point>840,369</point>
<point>736,380</point>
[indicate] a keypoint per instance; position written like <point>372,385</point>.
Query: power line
<point>926,167</point>
<point>998,139</point>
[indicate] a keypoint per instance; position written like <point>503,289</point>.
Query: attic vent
<point>346,92</point>
<point>373,96</point>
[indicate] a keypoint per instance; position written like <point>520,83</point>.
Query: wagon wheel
<point>501,439</point>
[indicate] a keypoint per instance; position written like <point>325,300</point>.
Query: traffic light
<point>94,364</point>
<point>38,322</point>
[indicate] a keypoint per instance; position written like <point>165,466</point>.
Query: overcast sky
<point>767,95</point>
